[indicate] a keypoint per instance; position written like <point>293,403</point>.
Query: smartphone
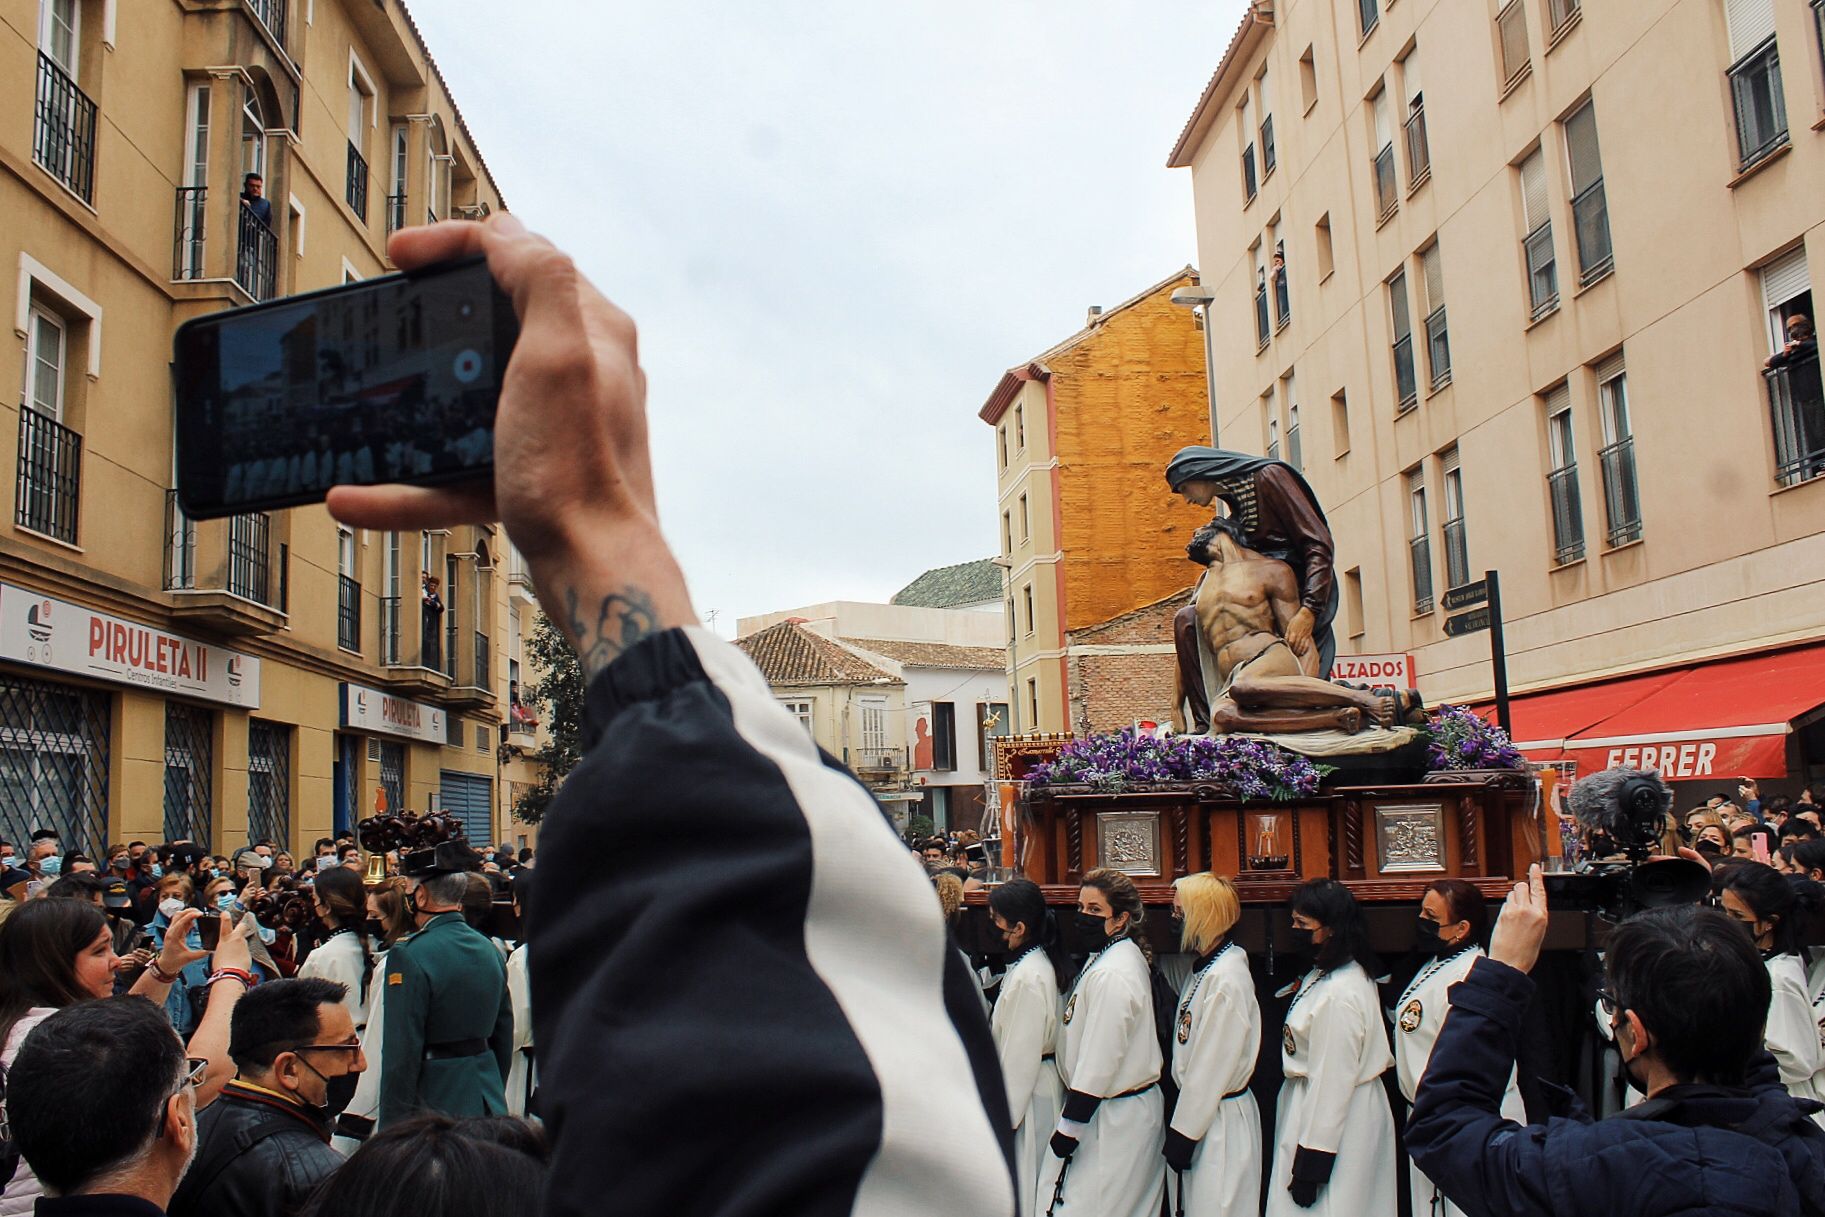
<point>394,379</point>
<point>209,931</point>
<point>1758,846</point>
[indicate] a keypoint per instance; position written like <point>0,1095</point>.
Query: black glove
<point>1304,1192</point>
<point>1063,1146</point>
<point>1178,1150</point>
<point>1311,1171</point>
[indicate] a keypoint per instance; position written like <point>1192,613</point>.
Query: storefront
<point>390,724</point>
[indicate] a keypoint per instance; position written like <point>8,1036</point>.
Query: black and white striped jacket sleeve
<point>743,996</point>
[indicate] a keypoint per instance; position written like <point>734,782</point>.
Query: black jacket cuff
<point>1080,1107</point>
<point>1313,1165</point>
<point>647,671</point>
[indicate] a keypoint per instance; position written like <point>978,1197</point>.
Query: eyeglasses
<point>354,1047</point>
<point>195,1068</point>
<point>1612,1005</point>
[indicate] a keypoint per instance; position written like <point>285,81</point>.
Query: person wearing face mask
<point>1453,920</point>
<point>1213,1143</point>
<point>1334,1134</point>
<point>523,1077</point>
<point>1105,1159</point>
<point>1025,1026</point>
<point>1772,908</point>
<point>263,1145</point>
<point>387,922</point>
<point>344,956</point>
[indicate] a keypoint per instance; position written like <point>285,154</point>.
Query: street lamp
<point>1198,299</point>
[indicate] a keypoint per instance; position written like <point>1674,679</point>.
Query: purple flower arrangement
<point>1461,740</point>
<point>1249,768</point>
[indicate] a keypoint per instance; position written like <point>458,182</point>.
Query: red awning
<point>1544,721</point>
<point>1724,719</point>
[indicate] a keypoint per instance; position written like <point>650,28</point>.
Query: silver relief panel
<point>1129,842</point>
<point>1410,837</point>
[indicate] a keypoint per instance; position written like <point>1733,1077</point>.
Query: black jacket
<point>257,1156</point>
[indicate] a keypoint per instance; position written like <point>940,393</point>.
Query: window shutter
<point>1410,76</point>
<point>1784,278</point>
<point>1581,147</point>
<point>1558,399</point>
<point>1267,106</point>
<point>1384,134</point>
<point>1433,266</point>
<point>1610,368</point>
<point>1533,190</point>
<point>1751,23</point>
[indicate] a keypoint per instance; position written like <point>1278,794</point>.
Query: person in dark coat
<point>447,1031</point>
<point>1717,1134</point>
<point>264,1144</point>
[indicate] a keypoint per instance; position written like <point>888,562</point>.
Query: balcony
<point>1761,111</point>
<point>256,255</point>
<point>49,487</point>
<point>478,690</point>
<point>880,764</point>
<point>63,138</point>
<point>357,193</point>
<point>1621,495</point>
<point>190,233</point>
<point>1419,553</point>
<point>1568,514</point>
<point>396,212</point>
<point>1797,408</point>
<point>272,15</point>
<point>409,668</point>
<point>1419,148</point>
<point>348,613</point>
<point>1457,553</point>
<point>221,573</point>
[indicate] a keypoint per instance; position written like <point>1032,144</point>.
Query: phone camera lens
<point>466,310</point>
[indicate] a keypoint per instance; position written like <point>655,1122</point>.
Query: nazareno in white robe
<point>523,1074</point>
<point>1419,1015</point>
<point>1107,1047</point>
<point>1216,1040</point>
<point>1792,1033</point>
<point>1025,1025</point>
<point>1333,1052</point>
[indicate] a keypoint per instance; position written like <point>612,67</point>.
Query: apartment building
<point>1503,278</point>
<point>1089,529</point>
<point>271,675</point>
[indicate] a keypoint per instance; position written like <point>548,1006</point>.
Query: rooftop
<point>788,654</point>
<point>935,654</point>
<point>1255,23</point>
<point>977,582</point>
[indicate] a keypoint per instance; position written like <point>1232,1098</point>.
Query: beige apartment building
<point>1502,278</point>
<point>271,675</point>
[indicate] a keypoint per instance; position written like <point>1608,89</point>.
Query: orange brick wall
<point>1109,692</point>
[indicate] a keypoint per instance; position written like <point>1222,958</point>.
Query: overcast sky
<point>836,225</point>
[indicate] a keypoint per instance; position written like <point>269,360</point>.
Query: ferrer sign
<point>365,709</point>
<point>67,637</point>
<point>1393,670</point>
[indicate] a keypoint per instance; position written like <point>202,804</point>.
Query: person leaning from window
<point>1773,907</point>
<point>253,197</point>
<point>263,1145</point>
<point>1802,344</point>
<point>1688,995</point>
<point>430,620</point>
<point>1213,1142</point>
<point>104,1150</point>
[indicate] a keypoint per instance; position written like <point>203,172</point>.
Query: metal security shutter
<point>1533,190</point>
<point>53,763</point>
<point>1751,23</point>
<point>189,772</point>
<point>1784,278</point>
<point>470,798</point>
<point>269,783</point>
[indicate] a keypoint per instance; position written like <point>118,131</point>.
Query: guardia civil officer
<point>1453,922</point>
<point>1106,1150</point>
<point>448,1021</point>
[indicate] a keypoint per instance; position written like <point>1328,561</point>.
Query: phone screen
<point>209,931</point>
<point>393,379</point>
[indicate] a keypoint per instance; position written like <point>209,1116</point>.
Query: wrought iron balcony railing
<point>1797,407</point>
<point>48,491</point>
<point>348,613</point>
<point>256,256</point>
<point>358,182</point>
<point>1568,514</point>
<point>1621,495</point>
<point>63,137</point>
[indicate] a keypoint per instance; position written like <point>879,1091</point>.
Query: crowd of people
<point>266,988</point>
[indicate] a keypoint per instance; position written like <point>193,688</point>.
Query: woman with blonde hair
<point>1214,1140</point>
<point>1106,1148</point>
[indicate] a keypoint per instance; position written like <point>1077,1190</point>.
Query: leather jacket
<point>258,1155</point>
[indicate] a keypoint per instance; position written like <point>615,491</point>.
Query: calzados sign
<point>67,637</point>
<point>1396,671</point>
<point>366,709</point>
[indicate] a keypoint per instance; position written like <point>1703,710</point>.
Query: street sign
<point>1467,623</point>
<point>1467,595</point>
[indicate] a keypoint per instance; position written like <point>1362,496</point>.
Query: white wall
<point>903,623</point>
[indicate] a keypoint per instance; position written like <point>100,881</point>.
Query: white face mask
<point>171,906</point>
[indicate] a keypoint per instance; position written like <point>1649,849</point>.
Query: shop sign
<point>66,637</point>
<point>365,709</point>
<point>1396,671</point>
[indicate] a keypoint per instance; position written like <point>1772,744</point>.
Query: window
<point>1007,532</point>
<point>1457,545</point>
<point>1283,301</point>
<point>348,592</point>
<point>195,190</point>
<point>1340,425</point>
<point>1026,527</point>
<point>1590,211</point>
<point>1795,400</point>
<point>1270,427</point>
<point>1511,29</point>
<point>1020,429</point>
<point>1621,494</point>
<point>189,800</point>
<point>1352,602</point>
<point>1295,456</point>
<point>1419,148</point>
<point>54,762</point>
<point>1438,340</point>
<point>1755,80</point>
<point>1382,129</point>
<point>1370,13</point>
<point>46,358</point>
<point>1327,258</point>
<point>944,736</point>
<point>1405,383</point>
<point>1262,331</point>
<point>1027,595</point>
<point>1560,13</point>
<point>801,710</point>
<point>257,248</point>
<point>1032,704</point>
<point>1268,157</point>
<point>1419,544</point>
<point>1562,477</point>
<point>874,725</point>
<point>1246,133</point>
<point>992,722</point>
<point>1537,245</point>
<point>63,137</point>
<point>1002,434</point>
<point>396,189</point>
<point>361,117</point>
<point>269,782</point>
<point>1308,80</point>
<point>50,452</point>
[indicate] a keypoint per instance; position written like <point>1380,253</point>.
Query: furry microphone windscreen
<point>1619,801</point>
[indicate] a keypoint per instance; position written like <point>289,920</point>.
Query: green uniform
<point>447,1038</point>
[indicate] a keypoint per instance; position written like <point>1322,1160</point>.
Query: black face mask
<point>374,928</point>
<point>1428,941</point>
<point>1300,942</point>
<point>1093,930</point>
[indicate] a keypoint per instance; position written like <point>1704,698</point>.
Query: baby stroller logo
<point>38,627</point>
<point>234,672</point>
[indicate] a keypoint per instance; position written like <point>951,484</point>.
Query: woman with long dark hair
<point>1334,1134</point>
<point>1771,907</point>
<point>1025,1023</point>
<point>344,957</point>
<point>385,924</point>
<point>1453,924</point>
<point>1105,1159</point>
<point>1214,1140</point>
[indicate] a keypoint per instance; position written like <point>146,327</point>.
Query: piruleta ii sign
<point>365,709</point>
<point>66,637</point>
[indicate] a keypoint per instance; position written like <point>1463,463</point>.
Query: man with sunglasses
<point>264,1143</point>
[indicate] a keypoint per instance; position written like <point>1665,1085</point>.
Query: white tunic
<point>339,958</point>
<point>1333,1052</point>
<point>1025,1025</point>
<point>1418,1017</point>
<point>1793,1030</point>
<point>366,1103</point>
<point>523,1074</point>
<point>1216,1040</point>
<point>1107,1047</point>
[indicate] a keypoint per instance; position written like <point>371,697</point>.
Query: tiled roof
<point>790,654</point>
<point>976,582</point>
<point>935,654</point>
<point>1260,15</point>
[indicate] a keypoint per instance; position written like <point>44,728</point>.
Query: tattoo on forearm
<point>622,619</point>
